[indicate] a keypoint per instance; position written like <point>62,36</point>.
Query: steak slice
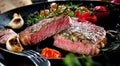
<point>5,34</point>
<point>81,37</point>
<point>43,29</point>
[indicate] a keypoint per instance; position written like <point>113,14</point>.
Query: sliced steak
<point>82,37</point>
<point>43,29</point>
<point>5,34</point>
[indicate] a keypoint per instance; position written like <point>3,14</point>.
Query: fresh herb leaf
<point>71,60</point>
<point>71,13</point>
<point>33,18</point>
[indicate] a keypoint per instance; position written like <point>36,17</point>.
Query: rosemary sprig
<point>33,18</point>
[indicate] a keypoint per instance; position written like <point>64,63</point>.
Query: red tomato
<point>51,53</point>
<point>90,17</point>
<point>86,15</point>
<point>115,1</point>
<point>100,11</point>
<point>79,15</point>
<point>101,8</point>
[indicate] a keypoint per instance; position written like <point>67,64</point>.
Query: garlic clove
<point>13,44</point>
<point>17,21</point>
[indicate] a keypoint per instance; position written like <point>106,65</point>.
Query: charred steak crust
<point>82,38</point>
<point>43,29</point>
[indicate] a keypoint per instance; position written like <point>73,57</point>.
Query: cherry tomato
<point>115,1</point>
<point>100,11</point>
<point>85,14</point>
<point>43,12</point>
<point>89,17</point>
<point>51,53</point>
<point>53,6</point>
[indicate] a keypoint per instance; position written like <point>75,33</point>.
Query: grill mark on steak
<point>43,29</point>
<point>76,47</point>
<point>83,32</point>
<point>81,37</point>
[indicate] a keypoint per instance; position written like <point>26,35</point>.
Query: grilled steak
<point>43,29</point>
<point>5,34</point>
<point>81,37</point>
